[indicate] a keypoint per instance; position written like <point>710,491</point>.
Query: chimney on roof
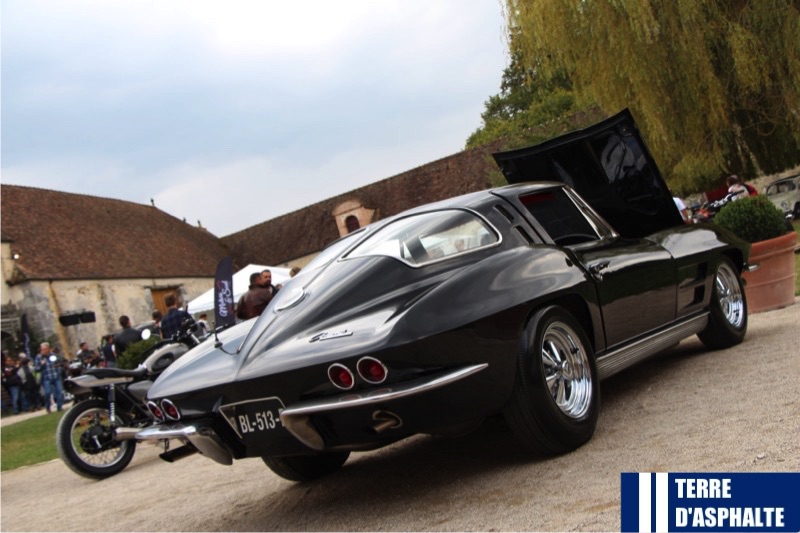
<point>199,224</point>
<point>152,202</point>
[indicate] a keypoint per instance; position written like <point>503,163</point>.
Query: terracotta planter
<point>772,285</point>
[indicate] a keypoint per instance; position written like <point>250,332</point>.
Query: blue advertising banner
<point>734,502</point>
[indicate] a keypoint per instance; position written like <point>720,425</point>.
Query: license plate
<point>258,417</point>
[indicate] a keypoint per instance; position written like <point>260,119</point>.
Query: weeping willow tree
<point>713,84</point>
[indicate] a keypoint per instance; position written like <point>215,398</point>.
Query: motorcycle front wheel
<point>86,443</point>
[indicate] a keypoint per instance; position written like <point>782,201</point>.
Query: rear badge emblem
<point>326,335</point>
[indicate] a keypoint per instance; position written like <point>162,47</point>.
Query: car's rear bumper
<point>349,421</point>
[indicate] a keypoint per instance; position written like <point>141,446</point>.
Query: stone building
<point>68,256</point>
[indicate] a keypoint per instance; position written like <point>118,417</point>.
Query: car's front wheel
<point>556,398</point>
<point>306,467</point>
<point>727,318</point>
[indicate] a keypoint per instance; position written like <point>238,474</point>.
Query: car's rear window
<point>428,237</point>
<point>781,187</point>
<point>559,216</point>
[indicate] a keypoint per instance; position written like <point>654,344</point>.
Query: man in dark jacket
<point>255,300</point>
<point>122,339</point>
<point>174,319</point>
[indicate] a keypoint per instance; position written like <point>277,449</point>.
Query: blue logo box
<point>677,502</point>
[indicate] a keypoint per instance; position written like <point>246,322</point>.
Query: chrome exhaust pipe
<point>386,420</point>
<point>126,433</point>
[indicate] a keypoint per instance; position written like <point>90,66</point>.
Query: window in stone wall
<point>352,223</point>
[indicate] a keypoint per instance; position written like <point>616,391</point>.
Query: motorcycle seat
<point>102,373</point>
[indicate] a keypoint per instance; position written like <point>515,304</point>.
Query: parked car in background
<point>516,300</point>
<point>785,194</point>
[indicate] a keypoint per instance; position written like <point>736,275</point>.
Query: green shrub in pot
<point>753,219</point>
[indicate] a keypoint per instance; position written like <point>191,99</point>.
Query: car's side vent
<point>524,234</point>
<point>503,211</point>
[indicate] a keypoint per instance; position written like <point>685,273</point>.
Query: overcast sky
<point>234,112</point>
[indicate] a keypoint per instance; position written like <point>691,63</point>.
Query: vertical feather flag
<point>223,294</point>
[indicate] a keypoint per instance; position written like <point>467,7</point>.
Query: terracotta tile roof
<point>308,230</point>
<point>74,236</point>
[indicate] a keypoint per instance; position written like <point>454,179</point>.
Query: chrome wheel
<point>566,370</point>
<point>729,293</point>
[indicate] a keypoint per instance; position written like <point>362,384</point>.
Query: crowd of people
<point>33,385</point>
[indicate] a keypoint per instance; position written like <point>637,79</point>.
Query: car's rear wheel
<point>306,467</point>
<point>556,397</point>
<point>727,319</point>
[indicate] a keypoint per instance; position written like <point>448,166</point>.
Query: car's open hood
<point>610,167</point>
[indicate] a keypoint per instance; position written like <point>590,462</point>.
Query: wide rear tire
<point>556,398</point>
<point>306,467</point>
<point>727,319</point>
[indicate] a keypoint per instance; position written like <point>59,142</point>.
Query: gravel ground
<point>688,410</point>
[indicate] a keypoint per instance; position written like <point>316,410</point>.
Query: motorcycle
<point>708,211</point>
<point>96,437</point>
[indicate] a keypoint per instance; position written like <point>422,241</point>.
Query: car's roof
<point>788,178</point>
<point>475,199</point>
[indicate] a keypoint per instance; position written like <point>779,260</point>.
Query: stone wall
<point>45,301</point>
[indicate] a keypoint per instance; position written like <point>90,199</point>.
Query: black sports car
<point>517,300</point>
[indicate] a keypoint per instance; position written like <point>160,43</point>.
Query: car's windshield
<point>428,237</point>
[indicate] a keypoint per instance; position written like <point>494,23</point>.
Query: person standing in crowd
<point>108,351</point>
<point>30,386</point>
<point>255,300</point>
<point>266,282</point>
<point>156,328</point>
<point>13,383</point>
<point>51,367</point>
<point>202,325</point>
<point>175,318</point>
<point>86,356</point>
<point>127,336</point>
<point>737,188</point>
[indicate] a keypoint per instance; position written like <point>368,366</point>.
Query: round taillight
<point>170,410</point>
<point>371,370</point>
<point>156,411</point>
<point>341,376</point>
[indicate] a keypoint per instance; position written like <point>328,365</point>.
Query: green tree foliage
<point>531,105</point>
<point>713,84</point>
<point>136,352</point>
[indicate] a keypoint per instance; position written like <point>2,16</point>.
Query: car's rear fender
<point>522,276</point>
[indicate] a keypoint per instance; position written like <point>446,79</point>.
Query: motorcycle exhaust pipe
<point>171,456</point>
<point>126,433</point>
